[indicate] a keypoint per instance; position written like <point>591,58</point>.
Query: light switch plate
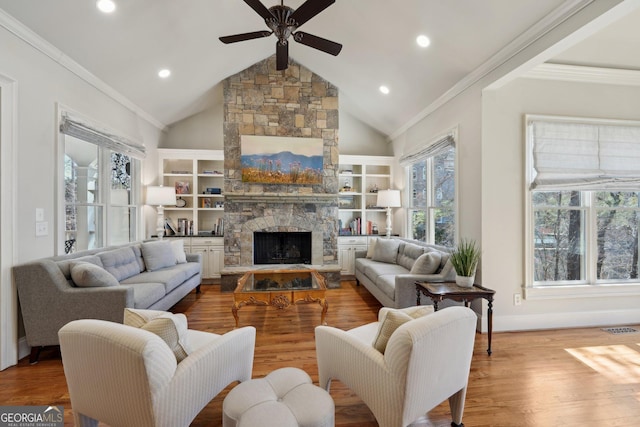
<point>42,228</point>
<point>39,214</point>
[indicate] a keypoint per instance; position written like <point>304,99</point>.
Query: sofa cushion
<point>371,247</point>
<point>138,253</point>
<point>88,275</point>
<point>158,254</point>
<point>178,250</point>
<point>387,284</point>
<point>373,269</point>
<point>427,263</point>
<point>146,294</point>
<point>386,250</point>
<point>171,277</point>
<point>65,265</point>
<point>120,262</point>
<point>408,253</point>
<point>172,328</point>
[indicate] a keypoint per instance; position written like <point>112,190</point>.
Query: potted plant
<point>465,258</point>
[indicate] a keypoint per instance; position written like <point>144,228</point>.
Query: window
<point>101,179</point>
<point>431,176</point>
<point>584,199</point>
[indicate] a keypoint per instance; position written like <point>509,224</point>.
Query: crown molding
<point>517,45</point>
<point>584,74</point>
<point>21,31</point>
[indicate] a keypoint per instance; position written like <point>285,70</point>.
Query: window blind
<point>87,132</point>
<point>568,155</point>
<point>440,145</point>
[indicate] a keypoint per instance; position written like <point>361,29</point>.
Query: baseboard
<point>588,319</point>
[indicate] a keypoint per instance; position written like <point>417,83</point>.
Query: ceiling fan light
<point>106,6</point>
<point>423,41</point>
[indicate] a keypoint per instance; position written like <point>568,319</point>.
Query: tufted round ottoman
<point>285,397</point>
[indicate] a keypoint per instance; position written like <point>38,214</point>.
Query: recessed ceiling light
<point>164,73</point>
<point>384,89</point>
<point>423,41</point>
<point>106,6</point>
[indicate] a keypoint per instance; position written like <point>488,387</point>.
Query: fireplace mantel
<point>317,198</point>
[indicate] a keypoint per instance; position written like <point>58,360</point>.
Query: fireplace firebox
<point>282,247</point>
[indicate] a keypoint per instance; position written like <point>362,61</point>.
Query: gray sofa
<point>386,269</point>
<point>99,284</point>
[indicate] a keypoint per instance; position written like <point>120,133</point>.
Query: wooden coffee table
<point>280,288</point>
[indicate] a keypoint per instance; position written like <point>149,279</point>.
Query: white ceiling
<point>127,48</point>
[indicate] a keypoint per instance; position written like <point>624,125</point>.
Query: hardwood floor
<point>575,377</point>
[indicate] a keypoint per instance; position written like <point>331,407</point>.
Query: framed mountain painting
<point>281,160</point>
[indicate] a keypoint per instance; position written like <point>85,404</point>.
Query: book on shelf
<point>169,227</point>
<point>218,227</point>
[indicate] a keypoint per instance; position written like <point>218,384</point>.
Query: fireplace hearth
<point>282,247</point>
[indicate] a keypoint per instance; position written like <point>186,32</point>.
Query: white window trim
<point>451,134</point>
<point>105,162</point>
<point>559,291</point>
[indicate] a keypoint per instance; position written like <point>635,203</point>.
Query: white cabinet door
<point>204,250</point>
<point>346,258</point>
<point>347,248</point>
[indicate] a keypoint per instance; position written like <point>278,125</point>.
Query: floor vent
<point>620,330</point>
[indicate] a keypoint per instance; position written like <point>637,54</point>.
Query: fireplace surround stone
<point>294,103</point>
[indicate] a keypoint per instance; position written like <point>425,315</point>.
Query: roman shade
<point>573,155</point>
<point>88,132</point>
<point>437,146</point>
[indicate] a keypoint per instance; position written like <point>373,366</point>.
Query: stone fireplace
<point>294,103</point>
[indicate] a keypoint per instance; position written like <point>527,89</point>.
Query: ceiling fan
<point>283,22</point>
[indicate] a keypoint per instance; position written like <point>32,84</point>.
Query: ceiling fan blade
<point>245,36</point>
<point>282,56</point>
<point>309,9</point>
<point>319,43</point>
<point>260,8</point>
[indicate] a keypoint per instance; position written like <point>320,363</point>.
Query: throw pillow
<point>386,250</point>
<point>158,254</point>
<point>371,248</point>
<point>178,250</point>
<point>89,275</point>
<point>137,317</point>
<point>393,320</point>
<point>172,328</point>
<point>427,263</point>
<point>414,312</point>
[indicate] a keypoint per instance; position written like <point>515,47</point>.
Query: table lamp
<point>160,196</point>
<point>388,199</point>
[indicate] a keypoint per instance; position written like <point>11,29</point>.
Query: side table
<point>439,291</point>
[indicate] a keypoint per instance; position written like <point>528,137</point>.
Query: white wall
<point>42,84</point>
<point>476,216</point>
<point>503,196</point>
<point>204,131</point>
<point>356,137</point>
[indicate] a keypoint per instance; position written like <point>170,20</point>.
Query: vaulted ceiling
<point>126,49</point>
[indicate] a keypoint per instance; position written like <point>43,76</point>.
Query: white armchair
<point>125,376</point>
<point>426,361</point>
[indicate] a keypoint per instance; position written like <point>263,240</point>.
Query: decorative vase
<point>465,281</point>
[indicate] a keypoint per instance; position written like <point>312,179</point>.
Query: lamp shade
<point>389,198</point>
<point>161,196</point>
